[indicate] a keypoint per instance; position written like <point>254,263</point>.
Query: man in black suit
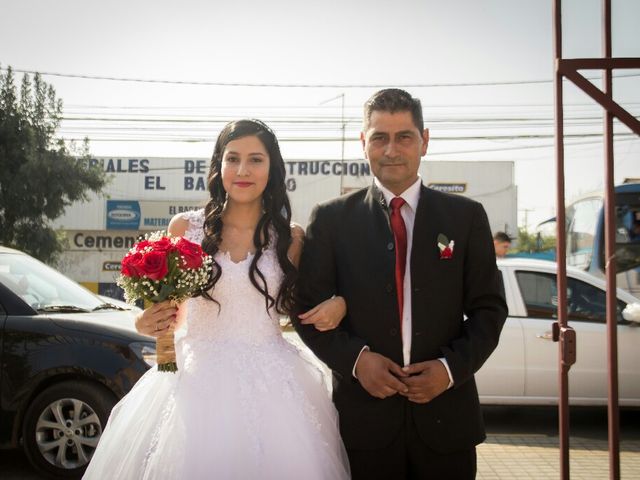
<point>411,263</point>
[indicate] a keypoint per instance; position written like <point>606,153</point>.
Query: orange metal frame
<point>569,68</point>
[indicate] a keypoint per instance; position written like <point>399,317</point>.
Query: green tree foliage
<point>39,175</point>
<point>533,242</point>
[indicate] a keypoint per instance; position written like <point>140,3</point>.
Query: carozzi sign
<point>123,215</point>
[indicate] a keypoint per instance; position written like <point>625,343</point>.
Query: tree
<point>39,175</point>
<point>533,242</point>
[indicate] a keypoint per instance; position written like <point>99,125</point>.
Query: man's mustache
<point>385,162</point>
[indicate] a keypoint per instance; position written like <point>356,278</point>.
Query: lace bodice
<point>241,315</point>
<point>195,228</point>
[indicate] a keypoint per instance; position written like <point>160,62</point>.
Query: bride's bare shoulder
<point>178,225</point>
<point>182,222</point>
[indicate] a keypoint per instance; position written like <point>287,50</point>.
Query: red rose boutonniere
<point>446,247</point>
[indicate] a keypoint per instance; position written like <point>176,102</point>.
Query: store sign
<point>154,178</point>
<point>157,215</point>
<point>99,241</point>
<point>449,187</point>
<point>145,215</point>
<point>123,215</point>
<point>110,266</point>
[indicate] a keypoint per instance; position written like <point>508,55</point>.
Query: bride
<point>244,403</point>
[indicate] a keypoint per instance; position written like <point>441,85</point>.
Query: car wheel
<point>62,427</point>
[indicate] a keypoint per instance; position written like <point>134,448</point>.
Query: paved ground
<point>522,443</point>
<point>537,457</point>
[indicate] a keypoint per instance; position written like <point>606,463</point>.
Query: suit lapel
<point>382,256</point>
<point>424,250</point>
<point>379,231</point>
<point>377,206</point>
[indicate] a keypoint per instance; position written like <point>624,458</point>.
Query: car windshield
<point>42,287</point>
<point>627,232</point>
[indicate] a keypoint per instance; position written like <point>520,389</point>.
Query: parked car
<point>524,367</point>
<point>66,357</point>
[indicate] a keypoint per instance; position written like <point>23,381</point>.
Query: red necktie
<point>400,237</point>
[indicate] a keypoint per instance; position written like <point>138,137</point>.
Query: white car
<point>524,367</point>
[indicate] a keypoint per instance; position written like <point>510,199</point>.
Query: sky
<point>466,60</point>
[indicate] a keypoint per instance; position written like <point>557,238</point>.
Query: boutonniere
<point>446,247</point>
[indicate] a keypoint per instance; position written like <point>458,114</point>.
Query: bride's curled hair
<point>274,222</point>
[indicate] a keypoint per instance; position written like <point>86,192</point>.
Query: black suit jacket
<point>349,251</point>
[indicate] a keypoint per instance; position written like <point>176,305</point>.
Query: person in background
<point>502,243</point>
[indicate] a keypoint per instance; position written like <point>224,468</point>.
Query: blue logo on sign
<point>123,215</point>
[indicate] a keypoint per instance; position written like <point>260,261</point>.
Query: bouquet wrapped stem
<point>166,352</point>
<point>161,268</point>
<point>166,349</point>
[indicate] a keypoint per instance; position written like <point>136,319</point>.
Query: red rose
<point>130,265</point>
<point>163,245</point>
<point>191,253</point>
<point>142,244</point>
<point>446,253</point>
<point>154,265</point>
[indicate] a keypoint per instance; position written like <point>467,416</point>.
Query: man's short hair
<point>502,237</point>
<point>394,100</point>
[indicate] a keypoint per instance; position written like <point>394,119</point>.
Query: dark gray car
<point>66,357</point>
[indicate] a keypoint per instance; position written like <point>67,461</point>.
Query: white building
<point>144,193</point>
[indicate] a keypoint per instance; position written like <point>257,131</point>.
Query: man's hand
<point>425,381</point>
<point>379,375</point>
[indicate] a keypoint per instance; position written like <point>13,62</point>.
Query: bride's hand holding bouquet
<point>166,271</point>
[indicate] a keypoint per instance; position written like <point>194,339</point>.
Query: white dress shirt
<point>411,196</point>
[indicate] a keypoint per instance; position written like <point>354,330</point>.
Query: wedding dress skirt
<point>244,404</point>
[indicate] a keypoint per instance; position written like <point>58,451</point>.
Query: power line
<point>181,139</point>
<point>522,147</point>
<point>72,106</point>
<point>430,154</point>
<point>143,118</point>
<point>294,85</point>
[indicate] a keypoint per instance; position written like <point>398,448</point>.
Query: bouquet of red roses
<point>159,268</point>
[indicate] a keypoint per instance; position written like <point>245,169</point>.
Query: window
<point>539,293</point>
<point>582,230</point>
<point>585,302</point>
<point>589,303</point>
<point>627,233</point>
<point>40,286</point>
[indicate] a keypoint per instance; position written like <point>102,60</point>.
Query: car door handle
<point>545,336</point>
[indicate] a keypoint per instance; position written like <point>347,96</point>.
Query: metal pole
<point>561,248</point>
<point>342,154</point>
<point>343,127</point>
<point>610,264</point>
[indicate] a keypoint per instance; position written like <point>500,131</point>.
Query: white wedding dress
<point>244,403</point>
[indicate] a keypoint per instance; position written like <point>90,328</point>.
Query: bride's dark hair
<point>275,219</point>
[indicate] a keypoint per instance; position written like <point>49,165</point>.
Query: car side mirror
<point>631,313</point>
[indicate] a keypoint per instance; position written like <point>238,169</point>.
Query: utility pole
<point>526,217</point>
<point>343,126</point>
